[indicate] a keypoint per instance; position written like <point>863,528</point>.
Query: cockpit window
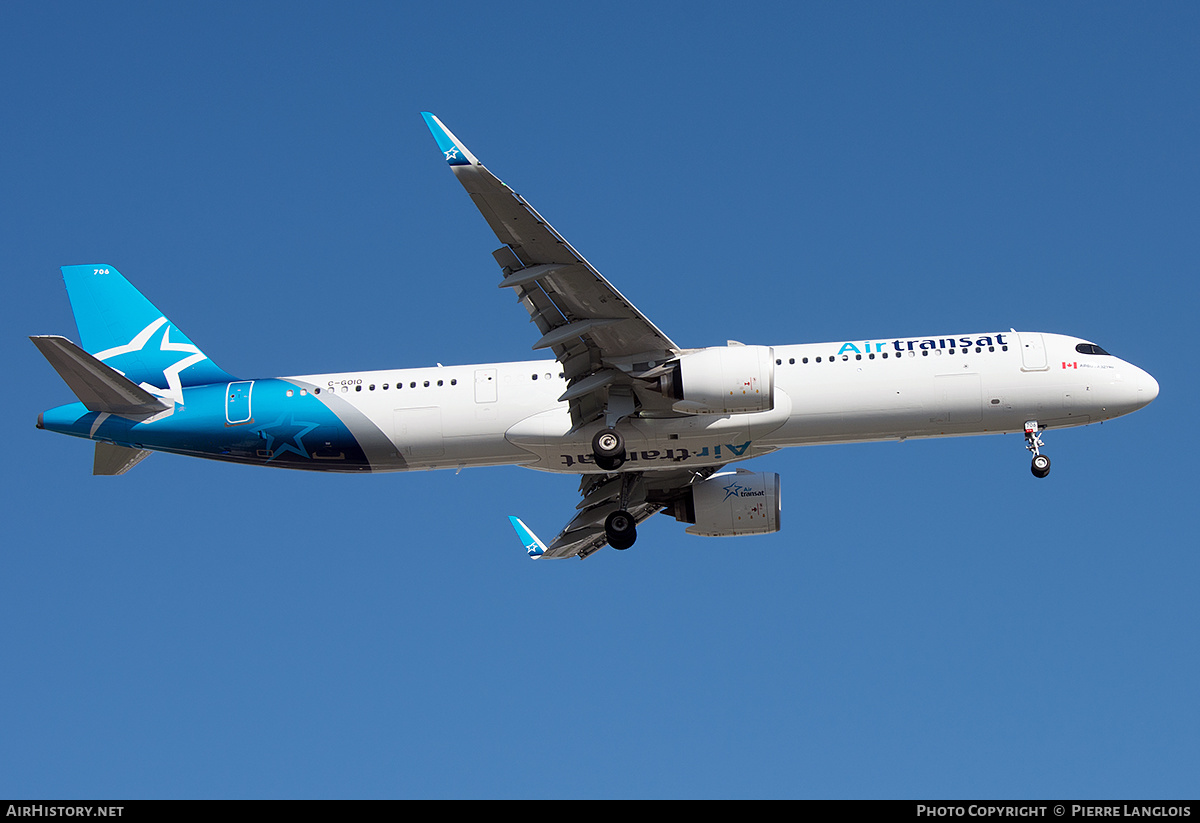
<point>1090,348</point>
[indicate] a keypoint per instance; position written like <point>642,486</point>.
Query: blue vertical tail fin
<point>124,330</point>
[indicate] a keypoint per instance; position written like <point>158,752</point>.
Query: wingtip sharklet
<point>455,152</point>
<point>533,546</point>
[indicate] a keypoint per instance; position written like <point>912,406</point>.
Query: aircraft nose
<point>1132,389</point>
<point>1147,389</point>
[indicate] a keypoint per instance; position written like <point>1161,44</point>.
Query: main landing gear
<point>608,448</point>
<point>620,527</point>
<point>1041,463</point>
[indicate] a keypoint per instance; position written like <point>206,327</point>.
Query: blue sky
<point>931,621</point>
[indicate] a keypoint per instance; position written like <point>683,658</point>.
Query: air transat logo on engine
<point>736,489</point>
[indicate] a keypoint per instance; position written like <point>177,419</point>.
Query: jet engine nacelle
<point>732,504</point>
<point>724,380</point>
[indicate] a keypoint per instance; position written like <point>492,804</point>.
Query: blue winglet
<point>529,540</point>
<point>456,153</point>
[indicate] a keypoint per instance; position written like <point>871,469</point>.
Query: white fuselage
<point>858,391</point>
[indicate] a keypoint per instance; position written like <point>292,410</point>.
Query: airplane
<point>645,424</point>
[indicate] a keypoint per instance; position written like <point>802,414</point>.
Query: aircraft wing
<point>595,332</point>
<point>646,493</point>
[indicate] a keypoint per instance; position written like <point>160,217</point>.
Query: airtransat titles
<point>989,341</point>
<point>643,424</point>
<point>732,452</point>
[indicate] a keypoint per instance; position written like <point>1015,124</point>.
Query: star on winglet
<point>534,547</point>
<point>455,153</point>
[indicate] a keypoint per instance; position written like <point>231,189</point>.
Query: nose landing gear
<point>1041,463</point>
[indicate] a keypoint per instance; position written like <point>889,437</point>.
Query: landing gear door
<point>237,402</point>
<point>1033,352</point>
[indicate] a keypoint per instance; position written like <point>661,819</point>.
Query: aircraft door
<point>485,385</point>
<point>237,402</point>
<point>1033,352</point>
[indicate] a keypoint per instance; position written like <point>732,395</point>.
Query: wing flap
<point>586,540</point>
<point>645,494</point>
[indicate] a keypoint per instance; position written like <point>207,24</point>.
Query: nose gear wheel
<point>1041,463</point>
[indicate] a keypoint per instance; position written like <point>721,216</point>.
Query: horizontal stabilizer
<point>113,459</point>
<point>99,387</point>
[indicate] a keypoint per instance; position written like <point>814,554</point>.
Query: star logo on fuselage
<point>285,435</point>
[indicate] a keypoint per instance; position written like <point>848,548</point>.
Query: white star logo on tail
<point>192,355</point>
